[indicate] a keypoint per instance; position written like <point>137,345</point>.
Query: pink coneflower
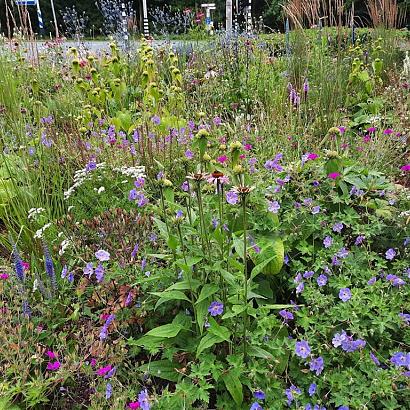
<point>405,167</point>
<point>334,175</point>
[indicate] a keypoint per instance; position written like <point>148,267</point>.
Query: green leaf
<point>201,313</point>
<point>236,311</point>
<point>220,331</point>
<point>234,386</point>
<point>257,351</point>
<point>261,266</point>
<point>169,194</point>
<point>238,245</point>
<point>164,369</point>
<point>172,242</point>
<point>169,295</point>
<point>162,227</point>
<point>207,290</point>
<point>272,249</point>
<point>165,331</point>
<point>184,285</point>
<point>206,342</point>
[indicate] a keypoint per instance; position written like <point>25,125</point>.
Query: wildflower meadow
<point>217,224</point>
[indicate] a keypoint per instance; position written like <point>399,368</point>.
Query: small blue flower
<point>312,389</point>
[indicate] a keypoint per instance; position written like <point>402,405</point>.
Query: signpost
<point>208,21</point>
<point>145,18</point>
<point>33,3</point>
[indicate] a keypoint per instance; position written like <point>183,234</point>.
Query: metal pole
<point>228,16</point>
<point>54,17</point>
<point>145,18</point>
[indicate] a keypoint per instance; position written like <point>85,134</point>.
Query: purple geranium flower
<point>143,400</point>
<point>337,227</point>
<point>273,206</point>
<point>232,197</point>
<point>405,317</point>
<point>327,242</point>
<point>312,389</point>
<point>286,314</point>
<point>322,280</point>
<point>359,240</point>
<point>308,274</point>
<point>315,210</point>
<point>317,365</point>
<point>401,359</point>
<point>302,349</point>
<point>102,255</point>
<point>259,394</point>
<point>345,294</point>
<point>390,254</point>
<point>374,359</point>
<point>216,308</point>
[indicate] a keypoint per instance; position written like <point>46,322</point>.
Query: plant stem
<point>245,278</point>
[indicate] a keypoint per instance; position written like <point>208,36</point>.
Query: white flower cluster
<point>39,232</point>
<point>64,245</point>
<point>406,66</point>
<point>134,172</point>
<point>33,212</point>
<point>80,176</point>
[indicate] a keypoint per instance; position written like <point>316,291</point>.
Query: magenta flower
<point>102,255</point>
<point>334,175</point>
<point>311,156</point>
<point>405,167</point>
<point>222,159</point>
<point>345,294</point>
<point>51,355</point>
<point>134,405</point>
<point>388,131</point>
<point>53,365</point>
<point>102,371</point>
<point>4,276</point>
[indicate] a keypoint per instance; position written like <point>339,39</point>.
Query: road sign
<point>26,2</point>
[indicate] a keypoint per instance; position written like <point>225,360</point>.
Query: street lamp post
<point>54,17</point>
